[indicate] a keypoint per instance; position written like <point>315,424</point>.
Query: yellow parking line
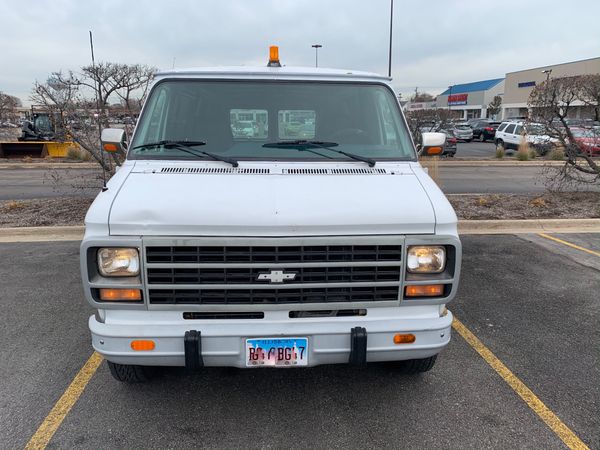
<point>64,404</point>
<point>583,249</point>
<point>570,439</point>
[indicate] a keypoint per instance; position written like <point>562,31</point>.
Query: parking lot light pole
<point>391,33</point>
<point>449,94</point>
<point>547,72</point>
<point>316,47</point>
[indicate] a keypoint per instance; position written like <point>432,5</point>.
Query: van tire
<point>129,374</point>
<point>481,137</point>
<point>414,366</point>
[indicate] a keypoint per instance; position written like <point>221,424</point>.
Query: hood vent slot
<point>215,170</point>
<point>305,171</point>
<point>353,171</point>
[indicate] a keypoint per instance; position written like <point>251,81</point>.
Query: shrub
<point>13,205</point>
<point>538,202</point>
<point>73,153</point>
<point>499,153</point>
<point>556,154</point>
<point>523,154</point>
<point>431,163</point>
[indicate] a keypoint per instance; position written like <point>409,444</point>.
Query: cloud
<point>436,43</point>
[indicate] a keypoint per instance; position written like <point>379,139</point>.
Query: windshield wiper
<point>303,145</point>
<point>186,146</point>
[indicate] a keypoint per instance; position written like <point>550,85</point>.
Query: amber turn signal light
<point>404,338</point>
<point>127,295</point>
<point>109,147</point>
<point>142,346</point>
<point>425,290</point>
<point>434,150</point>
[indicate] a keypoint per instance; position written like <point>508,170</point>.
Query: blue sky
<point>436,43</point>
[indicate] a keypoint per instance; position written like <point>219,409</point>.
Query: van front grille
<point>273,274</point>
<point>272,296</point>
<point>272,254</point>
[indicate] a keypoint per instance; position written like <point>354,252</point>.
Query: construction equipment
<point>43,134</point>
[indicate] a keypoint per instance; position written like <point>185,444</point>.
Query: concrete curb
<point>41,234</point>
<point>486,163</point>
<point>529,226</point>
<point>75,233</point>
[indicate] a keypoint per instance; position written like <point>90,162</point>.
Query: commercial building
<point>518,85</point>
<point>470,100</point>
<point>418,106</point>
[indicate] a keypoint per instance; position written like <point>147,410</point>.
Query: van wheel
<point>414,366</point>
<point>128,373</point>
<point>481,137</point>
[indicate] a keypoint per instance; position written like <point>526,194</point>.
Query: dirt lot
<point>567,205</point>
<point>44,212</point>
<point>575,205</point>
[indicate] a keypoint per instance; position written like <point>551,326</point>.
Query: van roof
<point>274,73</point>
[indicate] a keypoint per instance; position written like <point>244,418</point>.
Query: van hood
<point>223,201</point>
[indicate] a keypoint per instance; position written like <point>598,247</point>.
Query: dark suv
<point>484,130</point>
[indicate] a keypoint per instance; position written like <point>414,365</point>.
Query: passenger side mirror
<point>433,144</point>
<point>113,140</point>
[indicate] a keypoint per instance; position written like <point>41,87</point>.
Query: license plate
<point>276,352</point>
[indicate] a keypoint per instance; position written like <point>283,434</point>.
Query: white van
<point>316,239</point>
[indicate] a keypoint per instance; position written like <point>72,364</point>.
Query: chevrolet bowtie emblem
<point>276,276</point>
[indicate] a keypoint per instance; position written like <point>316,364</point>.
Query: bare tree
<point>135,78</point>
<point>493,109</point>
<point>74,99</point>
<point>421,120</point>
<point>8,106</point>
<point>590,93</point>
<point>552,104</point>
<point>422,97</point>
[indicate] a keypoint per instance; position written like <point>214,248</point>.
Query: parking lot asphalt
<point>19,184</point>
<point>475,149</point>
<point>532,304</point>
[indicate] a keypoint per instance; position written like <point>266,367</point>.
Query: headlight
<point>426,259</point>
<point>118,262</point>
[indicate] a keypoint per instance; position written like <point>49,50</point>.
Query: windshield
<point>236,118</point>
<point>536,129</point>
<point>585,133</point>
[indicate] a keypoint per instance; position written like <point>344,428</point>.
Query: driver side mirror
<point>433,144</point>
<point>113,140</point>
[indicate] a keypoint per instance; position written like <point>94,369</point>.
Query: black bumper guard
<point>358,346</point>
<point>192,343</point>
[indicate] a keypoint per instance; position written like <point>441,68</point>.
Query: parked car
<point>588,140</point>
<point>450,147</point>
<point>462,131</point>
<point>510,134</point>
<point>484,130</point>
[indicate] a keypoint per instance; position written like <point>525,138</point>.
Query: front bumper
<point>223,341</point>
